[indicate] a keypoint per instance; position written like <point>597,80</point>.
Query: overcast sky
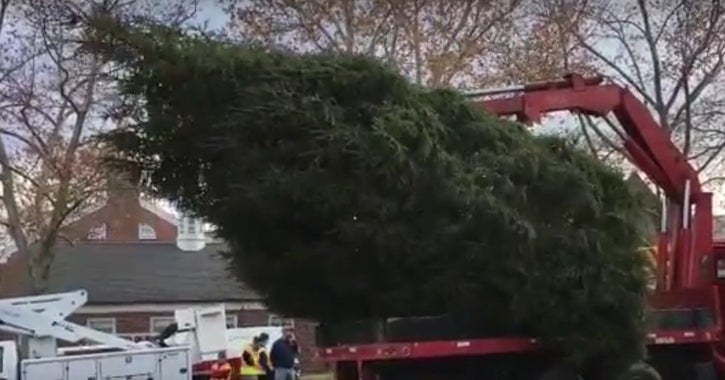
<point>212,13</point>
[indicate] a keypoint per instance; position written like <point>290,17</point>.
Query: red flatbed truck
<point>686,336</point>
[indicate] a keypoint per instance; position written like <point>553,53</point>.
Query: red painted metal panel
<point>434,349</point>
<point>479,347</point>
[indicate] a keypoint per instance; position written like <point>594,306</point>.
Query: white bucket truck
<point>39,322</point>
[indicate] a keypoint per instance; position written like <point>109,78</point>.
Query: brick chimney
<point>123,194</point>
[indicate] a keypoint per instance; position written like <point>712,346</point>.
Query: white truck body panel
<point>8,360</point>
<point>39,321</point>
<point>236,340</point>
<point>208,326</point>
<point>160,364</point>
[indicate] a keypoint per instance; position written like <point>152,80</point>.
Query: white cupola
<point>190,234</point>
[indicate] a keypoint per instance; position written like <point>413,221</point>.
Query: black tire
<point>642,371</point>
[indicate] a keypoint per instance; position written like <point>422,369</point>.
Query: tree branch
<point>622,38</point>
<point>689,62</point>
<point>656,63</point>
<point>700,87</point>
<point>303,20</point>
<point>713,179</point>
<point>10,201</point>
<point>612,65</point>
<point>377,32</point>
<point>712,155</point>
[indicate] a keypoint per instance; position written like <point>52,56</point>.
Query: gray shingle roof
<point>149,272</point>
<point>146,273</point>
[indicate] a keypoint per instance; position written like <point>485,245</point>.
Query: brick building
<point>138,265</point>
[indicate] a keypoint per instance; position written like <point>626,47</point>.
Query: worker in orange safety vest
<point>221,369</point>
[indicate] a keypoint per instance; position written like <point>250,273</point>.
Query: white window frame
<point>232,321</point>
<point>151,232</point>
<point>279,321</point>
<point>102,229</point>
<point>168,319</point>
<point>112,321</point>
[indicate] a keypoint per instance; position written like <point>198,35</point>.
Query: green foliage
<point>345,192</point>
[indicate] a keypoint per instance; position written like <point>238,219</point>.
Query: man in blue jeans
<point>283,355</point>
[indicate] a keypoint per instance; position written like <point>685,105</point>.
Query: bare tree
<point>470,43</point>
<point>436,42</point>
<point>54,100</point>
<point>543,46</point>
<point>671,53</point>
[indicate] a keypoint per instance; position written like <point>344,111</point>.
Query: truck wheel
<point>642,371</point>
<point>560,373</point>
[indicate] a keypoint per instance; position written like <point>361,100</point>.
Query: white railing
<point>137,337</point>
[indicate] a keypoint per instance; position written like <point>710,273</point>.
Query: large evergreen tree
<point>345,192</point>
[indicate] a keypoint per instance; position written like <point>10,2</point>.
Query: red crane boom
<point>685,238</point>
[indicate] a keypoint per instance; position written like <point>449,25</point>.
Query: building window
<point>106,325</point>
<point>98,232</point>
<point>191,226</point>
<point>232,322</point>
<point>158,324</point>
<point>278,321</point>
<point>146,232</point>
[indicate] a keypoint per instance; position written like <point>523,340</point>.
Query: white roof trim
<point>165,308</point>
<point>151,206</point>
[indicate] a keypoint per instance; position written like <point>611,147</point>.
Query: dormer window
<point>146,232</point>
<point>99,232</point>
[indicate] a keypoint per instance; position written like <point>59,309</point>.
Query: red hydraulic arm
<point>685,237</point>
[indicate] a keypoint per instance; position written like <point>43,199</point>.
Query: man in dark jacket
<point>283,355</point>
